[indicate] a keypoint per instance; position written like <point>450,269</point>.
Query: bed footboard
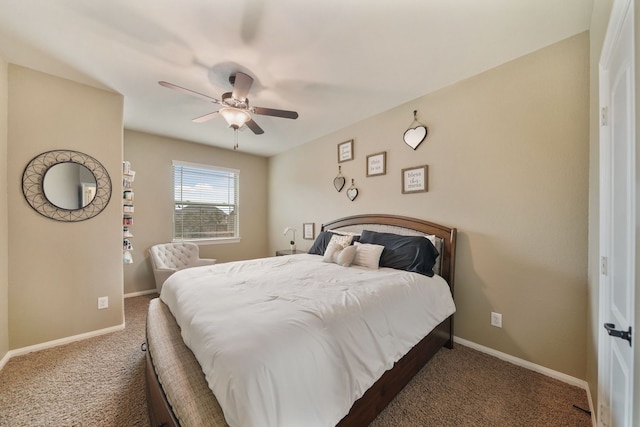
<point>177,391</point>
<point>194,391</point>
<point>160,413</point>
<point>383,391</point>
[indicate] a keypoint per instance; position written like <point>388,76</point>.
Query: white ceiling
<point>335,62</point>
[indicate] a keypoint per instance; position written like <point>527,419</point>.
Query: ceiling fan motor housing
<point>228,99</point>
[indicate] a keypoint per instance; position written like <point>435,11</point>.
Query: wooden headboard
<point>447,234</point>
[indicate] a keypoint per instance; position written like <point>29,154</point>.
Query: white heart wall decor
<point>338,183</point>
<point>414,136</point>
<point>352,193</point>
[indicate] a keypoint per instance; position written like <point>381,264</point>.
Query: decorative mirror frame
<point>413,137</point>
<point>37,168</point>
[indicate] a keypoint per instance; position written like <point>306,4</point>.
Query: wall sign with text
<point>345,151</point>
<point>377,164</point>
<point>414,179</point>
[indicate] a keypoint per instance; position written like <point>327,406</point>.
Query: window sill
<point>220,241</point>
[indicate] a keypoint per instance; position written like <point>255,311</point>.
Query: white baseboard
<point>533,367</point>
<point>140,293</point>
<point>56,343</point>
<point>4,361</point>
<point>68,340</point>
<point>594,418</point>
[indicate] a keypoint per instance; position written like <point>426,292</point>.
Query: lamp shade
<point>234,116</point>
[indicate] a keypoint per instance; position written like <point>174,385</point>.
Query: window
<point>205,202</point>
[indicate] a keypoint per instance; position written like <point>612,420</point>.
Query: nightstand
<point>284,252</point>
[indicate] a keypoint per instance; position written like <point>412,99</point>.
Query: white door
<point>617,220</point>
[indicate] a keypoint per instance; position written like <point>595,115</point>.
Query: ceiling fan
<point>235,105</point>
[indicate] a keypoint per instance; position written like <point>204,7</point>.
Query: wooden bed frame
<point>374,400</point>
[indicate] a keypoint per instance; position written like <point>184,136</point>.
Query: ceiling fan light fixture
<point>234,116</point>
<point>234,106</point>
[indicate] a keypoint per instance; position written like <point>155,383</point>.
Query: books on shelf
<point>128,176</point>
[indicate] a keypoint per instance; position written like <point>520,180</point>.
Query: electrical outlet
<point>103,302</point>
<point>496,320</point>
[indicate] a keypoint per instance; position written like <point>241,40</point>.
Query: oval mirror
<point>69,185</point>
<point>66,185</point>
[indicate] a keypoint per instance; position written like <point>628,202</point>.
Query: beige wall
<point>508,166</point>
<point>58,270</point>
<point>598,28</point>
<point>4,222</point>
<point>636,393</point>
<point>151,157</point>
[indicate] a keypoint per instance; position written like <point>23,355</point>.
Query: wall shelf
<point>128,177</point>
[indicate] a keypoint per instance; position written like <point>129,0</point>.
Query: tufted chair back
<point>167,258</point>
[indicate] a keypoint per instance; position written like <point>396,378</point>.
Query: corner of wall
<point>151,157</point>
<point>636,368</point>
<point>4,223</point>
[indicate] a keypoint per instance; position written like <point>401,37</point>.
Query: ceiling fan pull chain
<point>235,139</point>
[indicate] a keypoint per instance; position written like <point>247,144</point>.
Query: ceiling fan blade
<point>205,118</point>
<point>276,113</point>
<point>254,127</point>
<point>241,85</point>
<point>188,91</point>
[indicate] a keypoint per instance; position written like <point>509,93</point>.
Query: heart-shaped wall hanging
<point>352,193</point>
<point>414,136</point>
<point>338,181</point>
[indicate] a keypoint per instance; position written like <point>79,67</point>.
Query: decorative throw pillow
<point>410,253</point>
<point>342,240</point>
<point>321,243</point>
<point>324,238</point>
<point>367,255</point>
<point>339,255</point>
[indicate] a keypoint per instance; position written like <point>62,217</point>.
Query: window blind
<point>205,202</point>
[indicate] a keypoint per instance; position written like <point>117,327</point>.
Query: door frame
<point>621,9</point>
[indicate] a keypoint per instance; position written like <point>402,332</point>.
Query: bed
<point>179,392</point>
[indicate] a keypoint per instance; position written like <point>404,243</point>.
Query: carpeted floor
<point>100,382</point>
<point>95,382</point>
<point>464,387</point>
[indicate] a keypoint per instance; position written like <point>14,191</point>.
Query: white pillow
<point>339,255</point>
<point>341,240</point>
<point>367,255</point>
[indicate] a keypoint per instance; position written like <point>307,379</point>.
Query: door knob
<point>611,330</point>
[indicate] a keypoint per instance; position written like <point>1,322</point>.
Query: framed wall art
<point>308,231</point>
<point>345,151</point>
<point>414,179</point>
<point>377,164</point>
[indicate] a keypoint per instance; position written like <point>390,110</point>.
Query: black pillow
<point>322,241</point>
<point>410,253</point>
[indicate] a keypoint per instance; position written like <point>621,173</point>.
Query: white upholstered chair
<point>167,258</point>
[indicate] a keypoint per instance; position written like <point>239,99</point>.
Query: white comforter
<point>293,341</point>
